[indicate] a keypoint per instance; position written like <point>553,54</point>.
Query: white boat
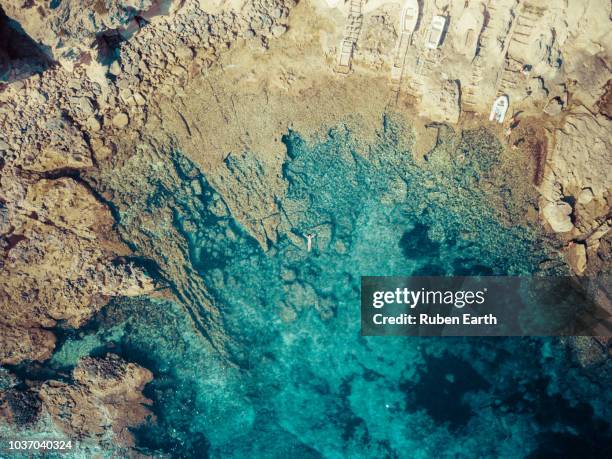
<point>435,32</point>
<point>410,16</point>
<point>333,3</point>
<point>499,109</point>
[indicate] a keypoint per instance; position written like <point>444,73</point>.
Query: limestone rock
<point>57,265</point>
<point>583,154</point>
<point>579,166</point>
<point>554,107</point>
<point>57,144</point>
<point>19,344</point>
<point>577,257</point>
<point>278,30</point>
<point>446,107</point>
<point>69,205</point>
<point>5,224</point>
<point>18,407</point>
<point>585,196</point>
<point>557,214</point>
<point>93,124</point>
<point>68,29</point>
<point>103,403</point>
<point>120,120</point>
<point>114,68</point>
<point>184,53</point>
<point>599,233</point>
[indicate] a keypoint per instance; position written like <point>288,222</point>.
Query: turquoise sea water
<point>297,379</point>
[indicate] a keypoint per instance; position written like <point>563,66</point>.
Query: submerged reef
<point>276,366</point>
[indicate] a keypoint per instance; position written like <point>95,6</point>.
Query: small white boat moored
<point>333,3</point>
<point>410,16</point>
<point>499,109</point>
<point>435,32</point>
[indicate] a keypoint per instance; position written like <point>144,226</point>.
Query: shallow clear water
<point>298,380</point>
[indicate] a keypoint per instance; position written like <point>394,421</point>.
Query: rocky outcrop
<point>576,257</point>
<point>58,250</point>
<point>18,408</point>
<point>558,216</point>
<point>71,35</point>
<point>579,162</point>
<point>20,55</point>
<point>25,342</point>
<point>100,98</point>
<point>57,265</point>
<point>578,172</point>
<point>56,237</point>
<point>97,407</point>
<point>102,403</point>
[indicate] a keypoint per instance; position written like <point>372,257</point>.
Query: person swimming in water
<point>309,237</point>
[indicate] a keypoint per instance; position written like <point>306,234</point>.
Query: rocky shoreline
<point>137,79</point>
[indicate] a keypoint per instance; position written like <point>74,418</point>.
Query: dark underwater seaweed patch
<point>416,244</point>
<point>441,389</point>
